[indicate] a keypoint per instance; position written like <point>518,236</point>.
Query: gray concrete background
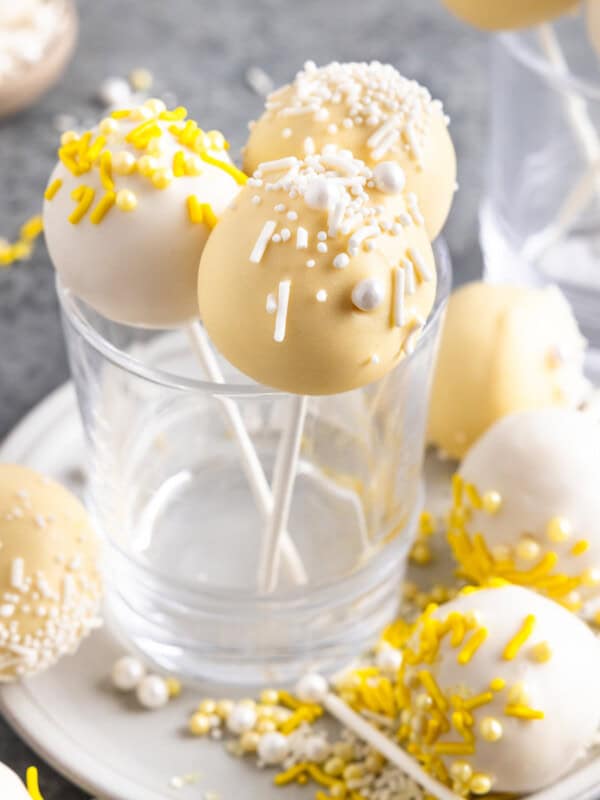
<point>201,50</point>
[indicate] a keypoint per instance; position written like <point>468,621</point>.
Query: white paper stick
<point>250,462</point>
<point>283,487</point>
<point>386,747</point>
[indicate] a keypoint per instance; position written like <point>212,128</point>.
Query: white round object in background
<point>153,692</point>
<point>127,673</point>
<point>114,92</point>
<point>241,718</point>
<point>273,748</point>
<point>312,688</point>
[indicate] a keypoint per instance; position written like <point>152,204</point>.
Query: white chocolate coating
<point>495,15</point>
<point>503,349</point>
<point>278,273</point>
<point>371,110</point>
<point>545,467</point>
<point>50,587</point>
<point>11,787</point>
<point>138,267</point>
<point>509,752</point>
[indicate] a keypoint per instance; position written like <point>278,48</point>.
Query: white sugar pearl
<point>341,261</point>
<point>320,194</point>
<point>312,688</point>
<point>389,659</point>
<point>114,92</point>
<point>368,294</point>
<point>273,748</point>
<point>241,718</point>
<point>127,673</point>
<point>389,177</point>
<point>152,692</point>
<point>316,749</point>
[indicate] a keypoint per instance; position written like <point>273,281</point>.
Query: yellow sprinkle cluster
<point>421,550</point>
<point>478,564</point>
<point>22,249</point>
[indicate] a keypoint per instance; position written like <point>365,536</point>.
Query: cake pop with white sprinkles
<point>380,116</point>
<point>129,207</point>
<point>50,587</point>
<point>317,281</point>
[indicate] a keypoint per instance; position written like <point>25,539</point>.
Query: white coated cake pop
<point>129,207</point>
<point>500,691</point>
<point>527,505</point>
<point>11,787</point>
<point>50,587</point>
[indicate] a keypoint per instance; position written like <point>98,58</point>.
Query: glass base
<point>572,264</point>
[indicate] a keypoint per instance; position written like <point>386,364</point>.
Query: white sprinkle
<point>385,145</point>
<point>301,239</point>
<point>286,133</point>
<point>322,236</point>
<point>413,142</point>
<point>279,208</point>
<point>411,283</point>
<point>271,304</point>
<point>295,111</point>
<point>321,115</point>
<point>336,216</point>
<point>345,165</point>
<point>375,359</point>
<point>311,263</point>
<point>7,610</point>
<point>277,165</point>
<point>341,261</point>
<point>321,296</point>
<point>264,237</point>
<point>276,238</point>
<point>309,146</point>
<point>332,129</point>
<point>322,247</point>
<point>363,233</point>
<point>413,207</point>
<point>421,266</point>
<point>256,200</point>
<point>376,138</point>
<point>40,521</point>
<point>285,234</point>
<point>399,278</point>
<point>68,588</point>
<point>283,298</point>
<point>258,80</point>
<point>17,573</point>
<point>292,216</point>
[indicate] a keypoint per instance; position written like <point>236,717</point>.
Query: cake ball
<point>50,587</point>
<point>494,15</point>
<point>371,110</point>
<point>503,349</point>
<point>129,207</point>
<point>11,787</point>
<point>500,691</point>
<point>527,505</point>
<point>317,281</point>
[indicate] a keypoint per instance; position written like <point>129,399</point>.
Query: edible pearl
<point>273,748</point>
<point>241,718</point>
<point>123,163</point>
<point>114,92</point>
<point>389,177</point>
<point>312,688</point>
<point>320,194</point>
<point>368,294</point>
<point>491,729</point>
<point>153,692</point>
<point>316,749</point>
<point>126,200</point>
<point>126,673</point>
<point>559,529</point>
<point>389,659</point>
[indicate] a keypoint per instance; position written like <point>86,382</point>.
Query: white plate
<point>103,741</point>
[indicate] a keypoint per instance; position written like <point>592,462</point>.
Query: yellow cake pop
<point>317,281</point>
<point>371,110</point>
<point>128,210</point>
<point>507,14</point>
<point>49,582</point>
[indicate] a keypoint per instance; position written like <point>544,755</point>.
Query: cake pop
<point>505,14</point>
<point>129,207</point>
<point>317,281</point>
<point>503,349</point>
<point>50,584</point>
<point>371,110</point>
<point>499,691</point>
<point>527,506</point>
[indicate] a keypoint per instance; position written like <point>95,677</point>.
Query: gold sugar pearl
<point>338,790</point>
<point>343,750</point>
<point>353,772</point>
<point>155,105</point>
<point>491,729</point>
<point>461,771</point>
<point>559,529</point>
<point>421,554</point>
<point>334,766</point>
<point>591,577</point>
<point>140,114</point>
<point>173,687</point>
<point>266,726</point>
<point>162,178</point>
<point>500,552</point>
<point>147,165</point>
<point>423,702</point>
<point>193,165</point>
<point>208,707</point>
<point>224,708</point>
<point>68,137</point>
<point>141,79</point>
<point>249,741</point>
<point>541,652</point>
<point>480,784</point>
<point>123,163</point>
<point>126,200</point>
<point>155,147</point>
<point>528,549</point>
<point>108,126</point>
<point>199,724</point>
<point>491,502</point>
<point>269,697</point>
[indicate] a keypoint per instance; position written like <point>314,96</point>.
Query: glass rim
<point>77,319</point>
<point>516,43</point>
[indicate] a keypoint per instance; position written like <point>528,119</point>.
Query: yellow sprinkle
<point>497,684</point>
<point>291,774</point>
<point>173,686</point>
<point>580,547</point>
<point>434,691</point>
<point>472,646</point>
<point>179,164</point>
<point>84,197</point>
<point>320,776</point>
<point>426,524</point>
<point>559,529</point>
<point>457,490</point>
<point>454,748</point>
<point>461,726</point>
<point>491,502</point>
<point>523,712</point>
<point>105,203</point>
<point>32,228</point>
<point>491,729</point>
<point>121,113</point>
<point>106,171</point>
<point>32,783</point>
<point>541,652</point>
<point>126,200</point>
<point>477,701</point>
<point>179,113</point>
<point>52,188</point>
<point>472,495</point>
<point>516,643</point>
<point>238,176</point>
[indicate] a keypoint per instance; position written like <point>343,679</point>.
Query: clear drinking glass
<point>540,220</point>
<point>182,531</point>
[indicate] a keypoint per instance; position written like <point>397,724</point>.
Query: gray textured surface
<point>200,51</point>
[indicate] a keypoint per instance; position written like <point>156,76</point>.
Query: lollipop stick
<point>386,747</point>
<point>283,486</point>
<point>250,462</point>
